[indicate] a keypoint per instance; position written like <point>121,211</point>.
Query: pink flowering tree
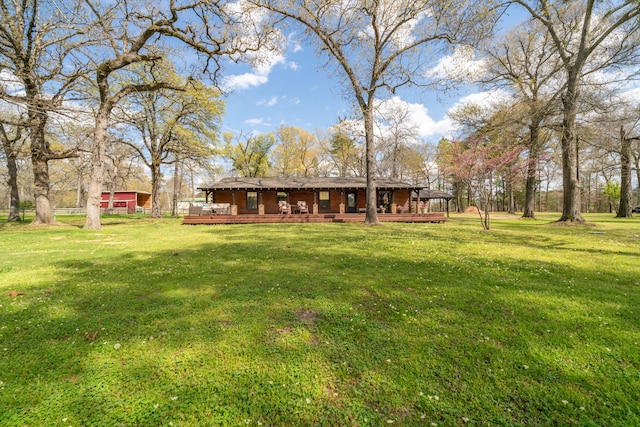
<point>476,162</point>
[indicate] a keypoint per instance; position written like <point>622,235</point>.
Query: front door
<point>352,202</point>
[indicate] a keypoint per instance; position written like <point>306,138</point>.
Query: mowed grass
<point>155,323</point>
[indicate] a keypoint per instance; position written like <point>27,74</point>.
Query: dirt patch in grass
<point>307,316</point>
<point>472,210</point>
<point>571,224</point>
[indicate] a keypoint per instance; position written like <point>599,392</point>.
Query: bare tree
<point>582,31</point>
<point>382,45</point>
<point>396,133</point>
<point>525,61</point>
<point>39,45</point>
<point>344,153</point>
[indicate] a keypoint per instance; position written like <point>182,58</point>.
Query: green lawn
<point>529,324</point>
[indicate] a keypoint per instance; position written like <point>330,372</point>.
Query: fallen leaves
<point>14,293</point>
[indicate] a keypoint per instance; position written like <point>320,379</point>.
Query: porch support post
<point>234,207</point>
<point>260,204</point>
<point>393,209</point>
<point>341,207</point>
<point>315,202</point>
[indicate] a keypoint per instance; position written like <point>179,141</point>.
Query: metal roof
<point>242,183</point>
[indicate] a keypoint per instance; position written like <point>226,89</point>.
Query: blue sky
<point>295,89</point>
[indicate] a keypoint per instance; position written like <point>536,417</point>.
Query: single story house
<point>328,195</point>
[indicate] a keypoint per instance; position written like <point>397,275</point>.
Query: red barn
<point>126,201</point>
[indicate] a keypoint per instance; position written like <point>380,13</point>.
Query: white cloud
<point>268,102</point>
<point>631,96</point>
<point>486,100</point>
<point>11,83</point>
<point>418,117</point>
<point>263,63</point>
<point>244,81</point>
<point>459,66</point>
<point>255,122</point>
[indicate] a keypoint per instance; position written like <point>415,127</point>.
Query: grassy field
<point>154,323</point>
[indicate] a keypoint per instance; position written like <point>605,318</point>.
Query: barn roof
<point>245,183</point>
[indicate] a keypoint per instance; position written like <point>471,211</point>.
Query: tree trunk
<point>40,162</point>
<point>571,185</point>
<point>371,216</point>
<point>176,188</point>
<point>94,195</point>
<point>637,167</point>
<point>626,192</point>
<point>532,167</point>
<point>12,181</point>
<point>79,183</point>
<point>155,190</point>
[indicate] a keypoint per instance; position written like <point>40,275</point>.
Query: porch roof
<point>244,183</point>
<point>435,194</point>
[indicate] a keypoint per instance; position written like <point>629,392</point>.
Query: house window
<point>384,200</point>
<point>323,197</point>
<point>282,196</point>
<point>252,200</point>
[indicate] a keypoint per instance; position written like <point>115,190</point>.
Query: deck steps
<point>308,218</point>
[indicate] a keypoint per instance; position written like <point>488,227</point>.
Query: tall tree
<point>135,34</point>
<point>379,46</point>
<point>296,152</point>
<point>172,126</point>
<point>249,155</point>
<point>344,153</point>
<point>40,45</point>
<point>582,30</point>
<point>397,133</point>
<point>626,190</point>
<point>525,62</point>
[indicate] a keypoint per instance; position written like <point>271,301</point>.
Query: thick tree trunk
<point>571,185</point>
<point>532,168</point>
<point>44,214</point>
<point>155,191</point>
<point>79,185</point>
<point>40,162</point>
<point>94,195</point>
<point>626,192</point>
<point>14,204</point>
<point>637,168</point>
<point>371,216</point>
<point>12,181</point>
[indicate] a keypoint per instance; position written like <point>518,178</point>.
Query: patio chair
<point>283,207</point>
<point>302,207</point>
<point>195,209</point>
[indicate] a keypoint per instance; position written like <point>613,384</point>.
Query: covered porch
<point>290,200</point>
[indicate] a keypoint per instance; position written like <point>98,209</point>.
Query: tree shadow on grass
<point>213,334</point>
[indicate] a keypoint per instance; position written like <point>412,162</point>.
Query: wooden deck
<point>303,218</point>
